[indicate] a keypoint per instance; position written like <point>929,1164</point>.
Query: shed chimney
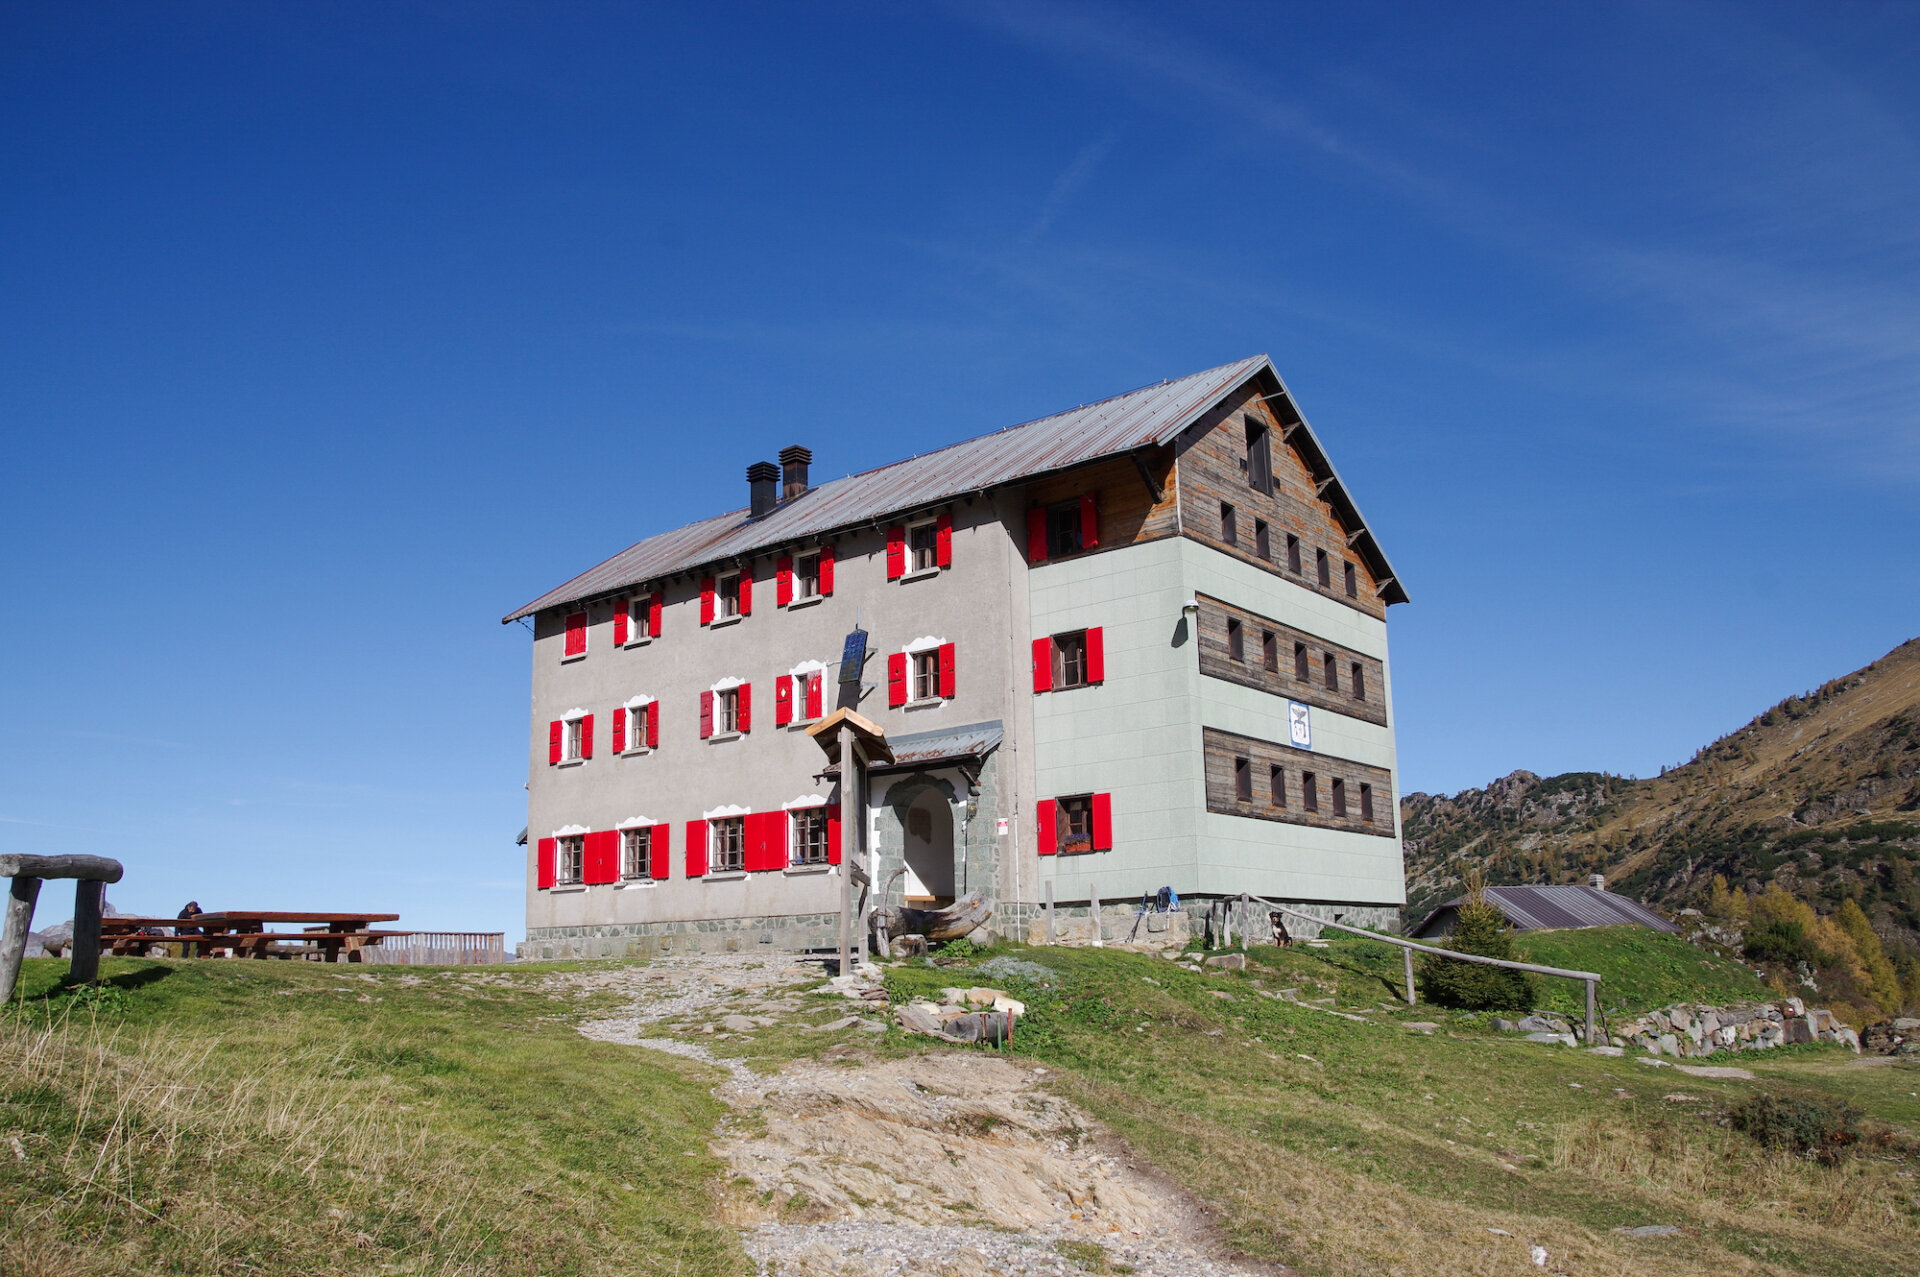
<point>1598,882</point>
<point>761,477</point>
<point>794,460</point>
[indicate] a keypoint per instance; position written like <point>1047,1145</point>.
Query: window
<point>576,644</point>
<point>1262,539</point>
<point>573,742</point>
<point>1243,780</point>
<point>1063,529</point>
<point>809,840</point>
<point>1366,802</point>
<point>726,711</point>
<point>1359,673</point>
<point>1301,667</point>
<point>1293,554</point>
<point>926,675</point>
<point>1324,566</point>
<point>636,848</point>
<point>1236,642</point>
<point>1259,457</point>
<point>728,849</point>
<point>1270,650</point>
<point>1353,583</point>
<point>1339,797</point>
<point>806,577</point>
<point>1076,823</point>
<point>638,619</point>
<point>924,543</point>
<point>570,860</point>
<point>1276,786</point>
<point>1070,660</point>
<point>728,591</point>
<point>1229,525</point>
<point>1332,667</point>
<point>1309,791</point>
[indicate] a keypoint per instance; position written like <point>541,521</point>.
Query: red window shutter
<point>743,706</point>
<point>1103,822</point>
<point>1036,535</point>
<point>1043,665</point>
<point>896,552</point>
<point>603,857</point>
<point>773,840</point>
<point>826,569</point>
<point>833,834</point>
<point>1096,655</point>
<point>576,634</point>
<point>783,580</point>
<point>783,700</point>
<point>897,679</point>
<point>619,621</point>
<point>1089,522</point>
<point>943,541</point>
<point>659,851</point>
<point>706,600</point>
<point>543,864</point>
<point>706,715</point>
<point>620,730</point>
<point>814,685</point>
<point>586,737</point>
<point>696,848</point>
<point>653,727</point>
<point>946,669</point>
<point>1043,826</point>
<point>554,730</point>
<point>746,594</point>
<point>653,614</point>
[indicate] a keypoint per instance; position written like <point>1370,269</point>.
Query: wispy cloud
<point>1069,184</point>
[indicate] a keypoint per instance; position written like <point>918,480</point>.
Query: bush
<point>1784,941</point>
<point>1823,1130</point>
<point>1480,928</point>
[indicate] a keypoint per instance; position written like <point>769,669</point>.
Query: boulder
<point>1561,1039</point>
<point>1798,1031</point>
<point>918,1017</point>
<point>1669,1044</point>
<point>1228,961</point>
<point>1535,1024</point>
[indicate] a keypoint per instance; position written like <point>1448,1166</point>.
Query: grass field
<point>247,1117</point>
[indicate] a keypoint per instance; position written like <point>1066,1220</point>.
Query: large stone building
<point>1138,644</point>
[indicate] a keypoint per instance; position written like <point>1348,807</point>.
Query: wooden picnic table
<point>244,932</point>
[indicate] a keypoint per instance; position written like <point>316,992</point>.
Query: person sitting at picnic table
<point>192,910</point>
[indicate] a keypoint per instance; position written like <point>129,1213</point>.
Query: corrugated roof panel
<point>1560,908</point>
<point>1151,415</point>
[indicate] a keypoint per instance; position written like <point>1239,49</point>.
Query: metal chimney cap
<point>762,472</point>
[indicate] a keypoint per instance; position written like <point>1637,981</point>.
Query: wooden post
<point>1050,911</point>
<point>88,896</point>
<point>13,937</point>
<point>1408,955</point>
<point>1590,1017</point>
<point>849,843</point>
<point>1093,908</point>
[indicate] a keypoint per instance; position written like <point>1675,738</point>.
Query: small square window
<point>728,590</point>
<point>1276,786</point>
<point>1243,780</point>
<point>1236,641</point>
<point>1366,802</point>
<point>1324,566</point>
<point>1353,582</point>
<point>1339,797</point>
<point>1293,554</point>
<point>1270,650</point>
<point>1075,823</point>
<point>806,576</point>
<point>926,675</point>
<point>728,852</point>
<point>570,860</point>
<point>636,846</point>
<point>1262,539</point>
<point>1309,791</point>
<point>1302,667</point>
<point>923,540</point>
<point>1070,659</point>
<point>1063,529</point>
<point>1229,525</point>
<point>726,711</point>
<point>809,836</point>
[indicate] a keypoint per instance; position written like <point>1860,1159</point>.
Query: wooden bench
<point>91,875</point>
<point>243,932</point>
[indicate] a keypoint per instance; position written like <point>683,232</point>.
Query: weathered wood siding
<point>1212,468</point>
<point>1223,747</point>
<point>1252,672</point>
<point>1133,506</point>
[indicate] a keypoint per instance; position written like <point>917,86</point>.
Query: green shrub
<point>1820,1129</point>
<point>1480,928</point>
<point>1784,941</point>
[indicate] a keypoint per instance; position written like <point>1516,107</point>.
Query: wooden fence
<point>439,949</point>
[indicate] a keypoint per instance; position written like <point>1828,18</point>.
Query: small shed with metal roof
<point>1550,909</point>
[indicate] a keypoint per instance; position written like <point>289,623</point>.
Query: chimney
<point>794,461</point>
<point>1598,882</point>
<point>761,476</point>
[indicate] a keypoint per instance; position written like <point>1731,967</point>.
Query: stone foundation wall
<point>1685,1030</point>
<point>784,933</point>
<point>1028,921</point>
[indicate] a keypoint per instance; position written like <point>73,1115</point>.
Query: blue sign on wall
<point>853,657</point>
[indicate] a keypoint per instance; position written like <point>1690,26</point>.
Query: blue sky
<point>330,334</point>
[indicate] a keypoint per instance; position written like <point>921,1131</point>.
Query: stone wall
<point>789,932</point>
<point>1686,1030</point>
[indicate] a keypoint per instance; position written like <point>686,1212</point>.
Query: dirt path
<point>953,1162</point>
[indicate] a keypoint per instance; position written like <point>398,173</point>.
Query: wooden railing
<point>440,949</point>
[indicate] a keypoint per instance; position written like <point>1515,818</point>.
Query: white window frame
<point>920,647</point>
<point>637,635</point>
<point>572,732</point>
<point>625,827</point>
<point>730,686</point>
<point>562,841</point>
<point>712,819</point>
<point>806,600</point>
<point>932,569</point>
<point>726,600</point>
<point>636,704</point>
<point>811,802</point>
<point>799,673</point>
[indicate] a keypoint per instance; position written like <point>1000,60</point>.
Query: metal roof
<point>1152,415</point>
<point>1559,908</point>
<point>945,745</point>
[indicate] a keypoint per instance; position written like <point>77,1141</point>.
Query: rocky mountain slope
<point>1821,793</point>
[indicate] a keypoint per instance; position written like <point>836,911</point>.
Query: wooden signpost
<point>854,744</point>
<point>91,875</point>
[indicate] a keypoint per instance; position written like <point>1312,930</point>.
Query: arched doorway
<point>928,850</point>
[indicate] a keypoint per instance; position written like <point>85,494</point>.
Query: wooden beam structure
<point>91,875</point>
